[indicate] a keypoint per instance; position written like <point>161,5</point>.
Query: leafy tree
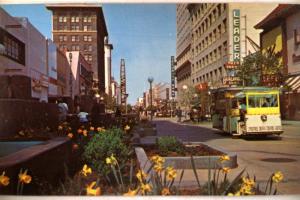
<point>261,63</point>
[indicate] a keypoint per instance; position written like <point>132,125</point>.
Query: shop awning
<point>293,82</point>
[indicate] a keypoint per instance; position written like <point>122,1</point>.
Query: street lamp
<point>150,80</point>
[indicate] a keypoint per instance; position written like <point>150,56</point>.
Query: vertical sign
<point>236,36</point>
<point>172,77</point>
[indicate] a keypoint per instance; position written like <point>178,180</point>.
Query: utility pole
<point>150,80</point>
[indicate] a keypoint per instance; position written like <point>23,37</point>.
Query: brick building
<point>81,27</point>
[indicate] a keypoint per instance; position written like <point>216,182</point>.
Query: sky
<point>143,34</point>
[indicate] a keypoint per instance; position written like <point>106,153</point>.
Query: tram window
<point>256,101</point>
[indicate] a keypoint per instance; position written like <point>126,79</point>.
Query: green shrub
<point>169,144</point>
<point>103,145</point>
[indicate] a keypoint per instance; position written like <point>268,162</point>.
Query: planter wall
<point>201,162</point>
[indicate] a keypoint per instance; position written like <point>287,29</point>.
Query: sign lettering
<point>236,36</point>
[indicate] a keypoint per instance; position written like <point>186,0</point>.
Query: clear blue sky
<point>143,34</point>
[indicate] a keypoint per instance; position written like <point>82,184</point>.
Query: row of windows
<point>63,27</point>
<point>76,47</point>
<point>211,57</point>
<point>211,76</point>
<point>14,48</point>
<point>75,38</point>
<point>215,13</point>
<point>211,38</point>
<point>75,19</point>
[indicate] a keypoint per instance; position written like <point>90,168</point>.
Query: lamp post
<point>150,80</point>
<point>71,80</point>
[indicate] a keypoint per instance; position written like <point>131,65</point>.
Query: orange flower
<point>79,131</point>
<point>75,146</point>
<point>92,128</point>
<point>70,135</point>
<point>4,180</point>
<point>225,170</point>
<point>165,191</point>
<point>91,191</point>
<point>24,178</point>
<point>85,132</point>
<point>131,192</point>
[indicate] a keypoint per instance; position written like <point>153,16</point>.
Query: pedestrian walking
<point>179,114</point>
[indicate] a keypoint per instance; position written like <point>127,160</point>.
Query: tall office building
<point>222,34</point>
<point>81,27</point>
<point>183,47</point>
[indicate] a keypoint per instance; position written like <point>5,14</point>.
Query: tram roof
<point>222,89</point>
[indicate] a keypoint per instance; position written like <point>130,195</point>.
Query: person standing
<point>179,114</point>
<point>63,110</point>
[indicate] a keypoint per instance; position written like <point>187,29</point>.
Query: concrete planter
<point>201,162</point>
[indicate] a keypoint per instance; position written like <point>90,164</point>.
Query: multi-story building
<point>23,59</point>
<point>81,75</point>
<point>281,29</point>
<point>81,27</point>
<point>183,48</point>
<point>107,63</point>
<point>115,91</point>
<point>63,71</point>
<point>222,34</point>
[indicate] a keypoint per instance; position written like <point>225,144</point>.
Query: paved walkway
<point>259,156</point>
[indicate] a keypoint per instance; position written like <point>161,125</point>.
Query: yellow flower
<point>60,128</point>
<point>248,182</point>
<point>224,158</point>
<point>157,159</point>
<point>246,189</point>
<point>230,194</point>
<point>70,135</point>
<point>86,170</point>
<point>165,192</point>
<point>158,168</point>
<point>277,177</point>
<point>100,129</point>
<point>111,160</point>
<point>4,180</point>
<point>141,175</point>
<point>145,188</point>
<point>79,131</point>
<point>24,178</point>
<point>85,132</point>
<point>225,170</point>
<point>171,173</point>
<point>91,191</point>
<point>92,128</point>
<point>131,192</point>
<point>127,128</point>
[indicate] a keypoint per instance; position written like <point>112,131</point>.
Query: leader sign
<point>236,36</point>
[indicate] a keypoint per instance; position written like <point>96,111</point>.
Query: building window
<point>87,27</point>
<point>87,19</point>
<point>75,38</point>
<point>62,46</point>
<point>14,48</point>
<point>63,38</point>
<point>87,38</point>
<point>75,47</point>
<point>74,19</point>
<point>62,19</point>
<point>75,27</point>
<point>62,27</point>
<point>225,48</point>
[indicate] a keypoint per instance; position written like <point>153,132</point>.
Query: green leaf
<point>195,171</point>
<point>235,180</point>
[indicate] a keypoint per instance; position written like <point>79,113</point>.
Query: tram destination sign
<point>236,36</point>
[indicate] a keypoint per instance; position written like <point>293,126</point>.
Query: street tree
<point>259,65</point>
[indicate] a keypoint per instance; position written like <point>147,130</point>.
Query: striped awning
<point>293,82</point>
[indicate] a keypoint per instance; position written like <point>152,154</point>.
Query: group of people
<point>193,113</point>
<point>83,116</point>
